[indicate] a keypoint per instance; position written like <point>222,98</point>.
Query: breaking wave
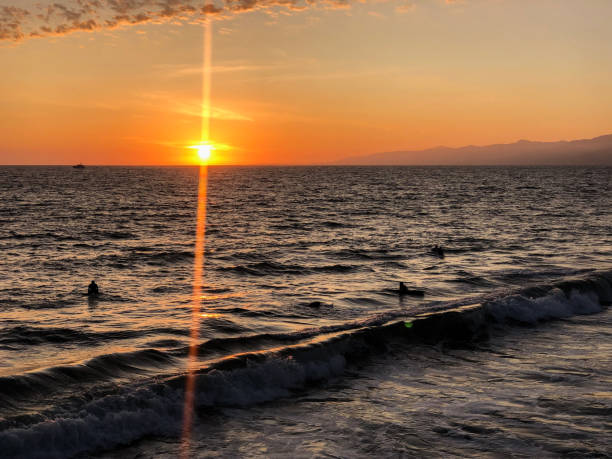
<point>271,366</point>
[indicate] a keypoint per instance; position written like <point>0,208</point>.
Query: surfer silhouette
<point>93,290</point>
<point>403,290</point>
<point>438,251</point>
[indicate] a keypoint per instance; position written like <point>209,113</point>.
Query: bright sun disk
<point>204,151</point>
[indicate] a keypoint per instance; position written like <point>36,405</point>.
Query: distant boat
<point>79,166</point>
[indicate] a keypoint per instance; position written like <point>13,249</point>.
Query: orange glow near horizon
<point>313,86</point>
<point>204,149</point>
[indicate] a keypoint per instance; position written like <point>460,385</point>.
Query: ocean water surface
<point>306,348</point>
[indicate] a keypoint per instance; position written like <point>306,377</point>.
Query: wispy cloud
<point>188,107</point>
<point>406,7</point>
<point>177,71</point>
<point>21,19</point>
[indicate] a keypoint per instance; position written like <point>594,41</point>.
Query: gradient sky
<point>297,82</point>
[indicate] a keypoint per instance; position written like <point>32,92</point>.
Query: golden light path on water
<point>200,243</point>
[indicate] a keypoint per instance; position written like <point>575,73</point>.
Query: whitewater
<point>306,348</point>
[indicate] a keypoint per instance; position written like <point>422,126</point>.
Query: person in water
<point>403,290</point>
<point>93,290</point>
<point>438,250</point>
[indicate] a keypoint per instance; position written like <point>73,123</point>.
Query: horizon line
<point>316,165</point>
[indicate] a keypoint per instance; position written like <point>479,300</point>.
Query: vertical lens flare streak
<point>206,74</point>
<point>198,269</point>
<point>198,273</point>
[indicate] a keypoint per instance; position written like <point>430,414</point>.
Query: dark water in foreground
<point>485,367</point>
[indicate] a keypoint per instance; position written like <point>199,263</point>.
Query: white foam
<point>119,419</point>
<point>555,305</point>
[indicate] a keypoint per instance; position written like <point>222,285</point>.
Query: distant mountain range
<point>597,151</point>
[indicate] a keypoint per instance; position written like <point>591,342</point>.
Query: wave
<point>43,303</point>
<point>30,336</point>
<point>268,268</point>
<point>32,386</point>
<point>292,226</point>
<point>470,278</point>
<point>365,254</point>
<point>337,268</point>
<point>334,224</point>
<point>127,259</point>
<point>115,366</point>
<point>47,235</point>
<point>115,235</point>
<point>298,361</point>
<point>74,298</point>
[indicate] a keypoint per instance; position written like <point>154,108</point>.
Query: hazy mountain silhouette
<point>597,151</point>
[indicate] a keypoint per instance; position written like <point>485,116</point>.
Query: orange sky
<point>309,83</point>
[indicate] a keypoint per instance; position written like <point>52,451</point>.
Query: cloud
<point>11,20</point>
<point>403,8</point>
<point>178,71</point>
<point>187,107</point>
<point>61,17</point>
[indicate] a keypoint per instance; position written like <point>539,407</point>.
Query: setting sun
<point>204,151</point>
<point>223,209</point>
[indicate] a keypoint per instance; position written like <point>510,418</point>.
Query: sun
<point>204,151</point>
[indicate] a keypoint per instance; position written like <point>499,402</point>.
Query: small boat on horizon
<point>79,166</point>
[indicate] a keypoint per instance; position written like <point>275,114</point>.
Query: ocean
<point>306,349</point>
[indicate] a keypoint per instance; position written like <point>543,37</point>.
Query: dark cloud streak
<point>61,18</point>
<point>11,20</point>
